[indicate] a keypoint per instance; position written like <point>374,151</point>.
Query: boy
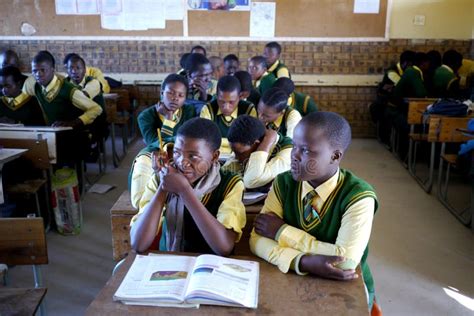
<point>198,49</point>
<point>274,112</point>
<point>224,109</point>
<point>262,80</point>
<point>15,106</point>
<point>260,154</point>
<point>62,103</point>
<point>318,208</point>
<point>272,53</point>
<point>93,72</point>
<point>199,74</point>
<point>445,79</point>
<point>203,204</point>
<point>247,92</point>
<point>217,67</point>
<point>9,58</point>
<point>301,102</point>
<point>231,64</point>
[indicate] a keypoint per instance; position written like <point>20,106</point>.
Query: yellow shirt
<point>79,99</point>
<point>97,74</point>
<point>260,171</point>
<point>465,72</point>
<point>231,211</point>
<point>92,87</point>
<point>16,102</point>
<point>292,119</point>
<point>291,243</point>
<point>282,72</point>
<point>141,174</point>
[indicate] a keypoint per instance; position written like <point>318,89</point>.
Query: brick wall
<point>360,58</point>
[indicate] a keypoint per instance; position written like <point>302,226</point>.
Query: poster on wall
<point>228,5</point>
<point>262,19</point>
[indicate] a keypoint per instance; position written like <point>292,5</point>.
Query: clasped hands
<point>171,179</point>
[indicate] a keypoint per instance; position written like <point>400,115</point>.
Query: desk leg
<point>2,199</point>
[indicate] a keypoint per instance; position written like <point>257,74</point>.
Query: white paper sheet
<point>367,6</point>
<point>111,21</point>
<point>174,10</point>
<point>87,7</point>
<point>262,19</point>
<point>66,7</point>
<point>111,6</point>
<point>154,13</point>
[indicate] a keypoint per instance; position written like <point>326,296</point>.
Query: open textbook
<point>185,281</point>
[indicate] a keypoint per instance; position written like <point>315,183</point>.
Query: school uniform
<point>97,74</point>
<point>285,124</point>
<point>224,202</point>
<point>194,94</point>
<point>265,82</point>
<point>141,172</point>
<point>334,219</point>
<point>150,121</point>
<point>262,167</point>
<point>279,70</point>
<point>212,112</point>
<point>466,73</point>
<point>23,109</point>
<point>303,103</point>
<point>445,82</point>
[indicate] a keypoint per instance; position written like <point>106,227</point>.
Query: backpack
<point>447,107</point>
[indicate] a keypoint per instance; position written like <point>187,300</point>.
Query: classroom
<point>293,134</point>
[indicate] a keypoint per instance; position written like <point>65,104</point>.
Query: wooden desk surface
<point>279,293</point>
<point>17,301</point>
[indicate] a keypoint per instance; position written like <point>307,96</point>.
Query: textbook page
<point>224,281</point>
<point>156,279</point>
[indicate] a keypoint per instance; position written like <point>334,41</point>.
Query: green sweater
<point>28,112</point>
<point>445,82</point>
<point>266,82</point>
<point>411,84</point>
<point>303,103</point>
<point>349,190</point>
<point>244,107</point>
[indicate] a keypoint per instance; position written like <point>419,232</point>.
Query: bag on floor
<point>66,201</point>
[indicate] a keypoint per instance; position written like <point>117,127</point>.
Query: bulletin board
<point>294,18</point>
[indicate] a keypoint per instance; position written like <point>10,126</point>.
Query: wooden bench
<point>122,212</point>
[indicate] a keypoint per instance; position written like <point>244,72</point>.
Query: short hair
<point>246,129</point>
<point>285,84</point>
<point>259,60</point>
<point>172,78</point>
<point>435,58</point>
<point>275,98</point>
<point>199,47</point>
<point>231,57</point>
<point>452,57</point>
<point>14,72</point>
<point>274,45</point>
<point>194,61</point>
<point>76,58</point>
<point>334,127</point>
<point>11,54</point>
<point>69,56</point>
<point>200,128</point>
<point>421,58</point>
<point>44,56</point>
<point>407,56</point>
<point>245,80</point>
<point>182,60</point>
<point>228,84</point>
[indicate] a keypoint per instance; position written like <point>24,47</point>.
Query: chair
<point>113,118</point>
<point>38,155</point>
<point>448,133</point>
<point>416,108</point>
<point>23,242</point>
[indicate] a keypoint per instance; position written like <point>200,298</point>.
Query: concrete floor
<point>421,257</point>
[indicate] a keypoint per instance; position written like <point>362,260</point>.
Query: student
<point>231,64</point>
<point>318,208</point>
<point>198,49</point>
<point>261,79</point>
<point>217,67</point>
<point>204,210</point>
<point>169,113</point>
<point>272,53</point>
<point>445,80</point>
<point>224,109</point>
<point>91,72</point>
<point>247,92</point>
<point>15,106</point>
<point>199,74</point>
<point>182,63</point>
<point>466,74</point>
<point>260,154</point>
<point>62,103</point>
<point>9,58</point>
<point>301,102</point>
<point>274,112</point>
<point>435,59</point>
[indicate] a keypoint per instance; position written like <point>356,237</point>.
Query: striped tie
<point>308,205</point>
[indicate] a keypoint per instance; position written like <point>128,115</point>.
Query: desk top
<point>8,154</point>
<point>35,128</point>
<point>16,301</point>
<point>280,293</point>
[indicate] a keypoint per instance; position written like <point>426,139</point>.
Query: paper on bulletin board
<point>111,21</point>
<point>87,7</point>
<point>111,6</point>
<point>66,7</point>
<point>154,13</point>
<point>229,5</point>
<point>262,19</point>
<point>367,6</point>
<point>143,15</point>
<point>174,10</point>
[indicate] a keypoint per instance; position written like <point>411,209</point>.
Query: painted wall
<point>444,19</point>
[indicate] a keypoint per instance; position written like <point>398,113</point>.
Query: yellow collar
<point>51,85</point>
<point>175,118</point>
<point>16,102</point>
<point>292,99</point>
<point>448,68</point>
<point>274,66</point>
<point>419,70</point>
<point>233,115</point>
<point>400,70</point>
<point>278,121</point>
<point>324,190</point>
<point>257,82</point>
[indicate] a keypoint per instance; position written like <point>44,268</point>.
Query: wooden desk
<point>6,155</point>
<point>16,301</point>
<point>471,174</point>
<point>279,294</point>
<point>122,212</point>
